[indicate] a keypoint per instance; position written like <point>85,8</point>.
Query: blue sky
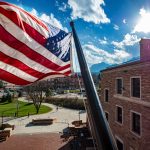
<point>109,31</point>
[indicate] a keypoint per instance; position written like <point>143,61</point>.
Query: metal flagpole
<point>102,133</point>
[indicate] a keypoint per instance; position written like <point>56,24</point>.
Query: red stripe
<point>18,64</point>
<point>14,17</point>
<point>34,18</point>
<point>4,75</point>
<point>17,45</point>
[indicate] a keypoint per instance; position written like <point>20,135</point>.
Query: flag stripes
<point>15,18</point>
<point>34,46</point>
<point>7,38</point>
<point>24,56</point>
<point>28,14</point>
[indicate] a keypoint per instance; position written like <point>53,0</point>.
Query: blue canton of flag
<point>57,43</point>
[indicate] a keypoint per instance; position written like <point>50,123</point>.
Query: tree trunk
<point>37,109</point>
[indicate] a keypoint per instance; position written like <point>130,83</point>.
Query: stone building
<point>125,98</point>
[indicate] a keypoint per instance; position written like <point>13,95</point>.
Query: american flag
<point>31,49</point>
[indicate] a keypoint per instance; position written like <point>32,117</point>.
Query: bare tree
<point>36,92</point>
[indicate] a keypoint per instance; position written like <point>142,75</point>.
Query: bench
<point>8,126</point>
<point>42,121</point>
<point>4,134</point>
<point>77,123</point>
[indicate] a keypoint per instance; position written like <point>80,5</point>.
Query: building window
<point>136,125</point>
<point>106,115</point>
<point>135,87</point>
<point>119,85</point>
<point>119,144</point>
<point>119,114</point>
<point>106,95</point>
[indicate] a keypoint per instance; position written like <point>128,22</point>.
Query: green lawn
<point>9,109</point>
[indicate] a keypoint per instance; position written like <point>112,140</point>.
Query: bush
<point>73,103</point>
<point>19,93</point>
<point>9,98</point>
<point>4,98</point>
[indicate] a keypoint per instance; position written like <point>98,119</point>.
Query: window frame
<point>105,95</point>
<point>120,123</point>
<point>117,86</point>
<point>120,140</point>
<point>131,112</point>
<point>106,112</point>
<point>131,94</point>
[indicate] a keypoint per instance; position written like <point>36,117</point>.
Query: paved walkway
<point>43,141</point>
<point>63,118</point>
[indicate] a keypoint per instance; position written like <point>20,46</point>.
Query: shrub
<point>73,103</point>
<point>9,98</point>
<point>4,98</point>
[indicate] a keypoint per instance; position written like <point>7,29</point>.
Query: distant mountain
<point>96,68</point>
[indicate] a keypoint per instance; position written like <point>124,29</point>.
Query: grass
<point>9,109</point>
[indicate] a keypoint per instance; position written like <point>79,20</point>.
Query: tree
<point>1,84</point>
<point>36,92</point>
<point>48,92</point>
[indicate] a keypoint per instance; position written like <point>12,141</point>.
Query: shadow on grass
<point>28,104</point>
<point>4,103</point>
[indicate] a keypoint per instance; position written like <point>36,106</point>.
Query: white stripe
<point>28,20</point>
<point>9,51</point>
<point>15,71</point>
<point>66,70</point>
<point>25,38</point>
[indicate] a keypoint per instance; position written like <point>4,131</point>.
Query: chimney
<point>145,49</point>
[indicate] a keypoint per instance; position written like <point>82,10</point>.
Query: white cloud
<point>143,24</point>
<point>103,41</point>
<point>89,10</point>
<point>63,7</point>
<point>129,40</point>
<point>124,21</point>
<point>49,19</point>
<point>116,27</point>
<point>96,55</point>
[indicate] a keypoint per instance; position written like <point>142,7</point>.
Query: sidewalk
<point>63,118</point>
<point>42,141</point>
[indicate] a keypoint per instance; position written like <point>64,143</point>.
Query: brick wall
<point>145,49</point>
<point>108,80</point>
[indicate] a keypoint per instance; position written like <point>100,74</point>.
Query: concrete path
<point>63,118</point>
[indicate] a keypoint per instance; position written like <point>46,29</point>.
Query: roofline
<point>122,65</point>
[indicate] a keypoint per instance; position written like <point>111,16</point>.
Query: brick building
<point>125,97</point>
<point>66,83</point>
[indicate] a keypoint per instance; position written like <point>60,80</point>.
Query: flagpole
<point>102,133</point>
